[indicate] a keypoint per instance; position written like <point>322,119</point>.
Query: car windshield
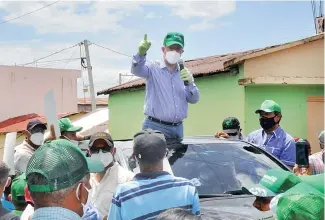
<point>216,168</point>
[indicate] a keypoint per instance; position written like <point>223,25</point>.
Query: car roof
<point>198,138</point>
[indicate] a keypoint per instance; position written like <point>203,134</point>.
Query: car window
<point>219,167</point>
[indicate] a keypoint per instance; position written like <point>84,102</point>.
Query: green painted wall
<point>293,102</point>
<point>126,113</point>
<point>221,96</point>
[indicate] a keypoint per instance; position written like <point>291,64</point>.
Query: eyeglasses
<point>96,149</point>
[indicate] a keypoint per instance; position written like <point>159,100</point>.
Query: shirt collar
<point>150,175</point>
<point>276,132</point>
<point>162,64</point>
<point>55,213</point>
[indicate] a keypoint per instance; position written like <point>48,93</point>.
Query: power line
<point>49,55</point>
<point>70,57</point>
<point>3,22</point>
<point>114,51</point>
<point>54,61</point>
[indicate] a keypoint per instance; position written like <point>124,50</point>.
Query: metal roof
<point>216,64</point>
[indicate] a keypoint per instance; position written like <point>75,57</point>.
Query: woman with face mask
<point>169,87</point>
<point>34,139</point>
<point>103,184</point>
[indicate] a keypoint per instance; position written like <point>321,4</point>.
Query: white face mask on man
<point>105,158</point>
<point>172,57</point>
<point>88,203</point>
<point>37,138</point>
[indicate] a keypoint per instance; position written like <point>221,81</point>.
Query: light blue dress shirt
<point>167,97</point>
<point>55,213</point>
<point>279,143</point>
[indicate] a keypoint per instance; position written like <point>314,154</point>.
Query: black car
<point>219,168</point>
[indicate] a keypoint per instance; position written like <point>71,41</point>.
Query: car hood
<point>234,207</point>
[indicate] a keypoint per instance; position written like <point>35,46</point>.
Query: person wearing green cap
<point>169,87</point>
<point>299,203</point>
<point>17,195</point>
<point>58,176</point>
<point>274,182</point>
<point>271,136</point>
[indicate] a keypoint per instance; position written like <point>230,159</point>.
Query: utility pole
<point>90,77</point>
<point>120,77</point>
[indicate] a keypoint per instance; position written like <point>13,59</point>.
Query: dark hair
<point>177,213</point>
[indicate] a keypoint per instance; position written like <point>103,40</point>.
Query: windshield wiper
<point>202,196</point>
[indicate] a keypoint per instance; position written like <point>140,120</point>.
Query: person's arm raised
<point>139,67</point>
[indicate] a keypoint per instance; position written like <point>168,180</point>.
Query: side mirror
<point>132,163</point>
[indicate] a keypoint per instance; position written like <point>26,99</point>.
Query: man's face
<point>270,115</point>
<point>36,129</point>
<point>101,145</point>
<point>262,203</point>
<point>71,135</point>
<point>174,47</point>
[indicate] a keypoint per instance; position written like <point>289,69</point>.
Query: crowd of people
<point>55,179</point>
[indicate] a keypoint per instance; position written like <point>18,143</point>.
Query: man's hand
<point>51,136</point>
<point>221,135</point>
<point>306,171</point>
<point>187,76</point>
<point>144,46</point>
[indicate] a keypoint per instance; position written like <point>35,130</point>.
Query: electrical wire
<point>114,51</point>
<point>48,55</point>
<point>54,61</point>
<point>31,12</point>
<point>70,57</point>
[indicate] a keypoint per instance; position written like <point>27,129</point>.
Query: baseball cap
<point>174,38</point>
<point>230,125</point>
<point>18,189</point>
<point>321,137</point>
<point>33,123</point>
<point>269,106</point>
<point>274,182</point>
<point>316,181</point>
<point>62,164</point>
<point>149,145</point>
<point>66,125</point>
<point>101,136</point>
<point>300,202</point>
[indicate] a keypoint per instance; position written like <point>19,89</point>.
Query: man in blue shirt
<point>168,89</point>
<point>272,137</point>
<point>152,191</point>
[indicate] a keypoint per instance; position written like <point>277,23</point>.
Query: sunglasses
<point>95,150</point>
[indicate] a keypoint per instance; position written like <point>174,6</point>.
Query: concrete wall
<point>306,60</point>
<point>221,96</point>
<point>22,90</point>
<point>293,102</point>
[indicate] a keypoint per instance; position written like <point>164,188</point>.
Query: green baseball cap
<point>174,38</point>
<point>274,182</point>
<point>300,202</point>
<point>18,189</point>
<point>62,164</point>
<point>316,181</point>
<point>66,125</point>
<point>269,106</point>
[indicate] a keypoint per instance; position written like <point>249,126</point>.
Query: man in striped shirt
<point>152,191</point>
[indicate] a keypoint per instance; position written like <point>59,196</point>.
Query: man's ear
<point>278,118</point>
<point>8,182</point>
<point>83,194</point>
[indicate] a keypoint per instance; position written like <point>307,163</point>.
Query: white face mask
<point>37,138</point>
<point>105,158</point>
<point>172,57</point>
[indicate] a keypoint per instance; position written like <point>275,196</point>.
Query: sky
<point>210,28</point>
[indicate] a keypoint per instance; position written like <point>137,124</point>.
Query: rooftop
<point>19,123</point>
<point>87,101</point>
<point>219,63</point>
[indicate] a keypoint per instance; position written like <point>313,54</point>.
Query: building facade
<point>22,90</point>
<point>291,74</point>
